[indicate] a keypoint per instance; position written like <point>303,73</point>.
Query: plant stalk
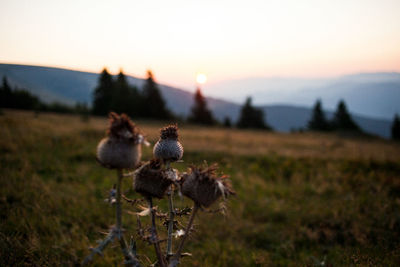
<point>154,235</point>
<point>130,259</point>
<point>99,249</point>
<point>171,221</point>
<point>118,201</point>
<point>115,232</point>
<point>175,260</point>
<point>171,216</point>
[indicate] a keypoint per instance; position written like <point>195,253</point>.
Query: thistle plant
<point>120,150</point>
<point>168,149</point>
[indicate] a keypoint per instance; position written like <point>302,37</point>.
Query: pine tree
<point>318,121</point>
<point>121,95</point>
<point>103,94</point>
<point>200,113</point>
<point>396,128</point>
<point>6,87</point>
<point>154,104</point>
<point>135,106</point>
<point>17,98</point>
<point>227,122</point>
<point>251,117</point>
<point>5,93</point>
<point>342,119</point>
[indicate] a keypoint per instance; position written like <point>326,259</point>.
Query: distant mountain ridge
<point>375,95</point>
<point>69,86</point>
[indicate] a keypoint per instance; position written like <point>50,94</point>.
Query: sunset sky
<point>223,39</point>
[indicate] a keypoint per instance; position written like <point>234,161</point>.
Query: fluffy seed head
<point>150,180</point>
<point>121,127</point>
<point>169,132</point>
<point>121,148</point>
<point>204,187</point>
<point>168,147</point>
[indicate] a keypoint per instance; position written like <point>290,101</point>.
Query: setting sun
<point>201,78</point>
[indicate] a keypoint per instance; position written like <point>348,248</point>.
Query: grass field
<point>302,199</point>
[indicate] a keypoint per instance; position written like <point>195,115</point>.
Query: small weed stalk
<point>121,149</point>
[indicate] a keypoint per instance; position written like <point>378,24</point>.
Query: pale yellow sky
<point>223,39</point>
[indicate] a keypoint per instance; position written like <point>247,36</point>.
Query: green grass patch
<point>288,211</point>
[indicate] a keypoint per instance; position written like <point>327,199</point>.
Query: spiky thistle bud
<point>168,147</point>
<point>151,180</point>
<point>122,146</point>
<point>203,186</point>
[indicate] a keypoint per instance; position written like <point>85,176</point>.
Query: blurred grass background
<point>303,199</point>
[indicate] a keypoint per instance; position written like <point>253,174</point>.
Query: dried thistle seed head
<point>204,187</point>
<point>168,147</point>
<point>118,154</point>
<point>121,148</point>
<point>150,180</point>
<point>121,127</point>
<point>169,132</point>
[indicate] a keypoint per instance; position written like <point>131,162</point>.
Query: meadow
<point>303,199</point>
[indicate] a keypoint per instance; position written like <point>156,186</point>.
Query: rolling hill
<point>374,95</point>
<point>69,86</point>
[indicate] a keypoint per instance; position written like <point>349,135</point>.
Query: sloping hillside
<point>69,86</point>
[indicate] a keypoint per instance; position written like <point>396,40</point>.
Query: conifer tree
<point>135,106</point>
<point>396,128</point>
<point>342,119</point>
<point>154,104</point>
<point>6,87</point>
<point>103,94</point>
<point>227,122</point>
<point>251,117</point>
<point>17,98</point>
<point>200,113</point>
<point>318,121</point>
<point>5,93</point>
<point>121,95</point>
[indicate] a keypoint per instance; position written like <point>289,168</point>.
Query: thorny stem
<point>171,216</point>
<point>130,259</point>
<point>175,260</point>
<point>132,201</point>
<point>170,221</point>
<point>154,235</point>
<point>118,199</point>
<point>115,232</point>
<point>99,249</point>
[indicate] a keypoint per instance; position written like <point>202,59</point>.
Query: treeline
<point>18,98</point>
<point>342,121</point>
<point>116,94</point>
<point>119,96</point>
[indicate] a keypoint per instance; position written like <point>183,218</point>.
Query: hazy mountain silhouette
<point>69,86</point>
<point>371,94</point>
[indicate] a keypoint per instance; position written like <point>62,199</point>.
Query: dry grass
<point>301,198</point>
<point>233,141</point>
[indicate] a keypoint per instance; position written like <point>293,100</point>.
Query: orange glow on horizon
<point>272,38</point>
